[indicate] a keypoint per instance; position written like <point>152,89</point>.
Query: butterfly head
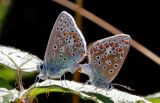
<point>43,73</point>
<point>47,71</point>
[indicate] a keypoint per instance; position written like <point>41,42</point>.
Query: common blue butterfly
<point>106,58</point>
<point>65,48</point>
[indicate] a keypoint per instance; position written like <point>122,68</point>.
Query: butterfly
<point>106,57</point>
<point>65,48</point>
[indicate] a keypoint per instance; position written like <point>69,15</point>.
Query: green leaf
<point>17,59</point>
<point>12,59</point>
<point>7,96</point>
<point>154,98</point>
<point>5,84</point>
<point>98,95</point>
<point>45,87</point>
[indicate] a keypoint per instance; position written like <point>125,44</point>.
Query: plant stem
<point>20,83</point>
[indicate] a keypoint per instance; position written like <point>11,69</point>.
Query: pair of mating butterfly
<point>67,46</point>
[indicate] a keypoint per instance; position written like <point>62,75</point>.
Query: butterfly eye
<point>109,87</point>
<point>41,66</point>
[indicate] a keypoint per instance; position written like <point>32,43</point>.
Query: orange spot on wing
<point>122,40</point>
<point>65,33</point>
<point>76,40</point>
<point>120,49</point>
<point>116,44</point>
<point>81,52</point>
<point>111,44</point>
<point>101,47</point>
<point>70,33</point>
<point>78,45</point>
<point>107,45</point>
<point>122,54</point>
<point>95,50</point>
<point>126,42</point>
<point>60,35</point>
<point>74,36</point>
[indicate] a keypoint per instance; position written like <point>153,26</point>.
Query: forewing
<point>66,44</point>
<point>108,55</point>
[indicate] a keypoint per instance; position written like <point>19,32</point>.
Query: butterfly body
<point>106,58</point>
<point>65,48</point>
<point>94,79</point>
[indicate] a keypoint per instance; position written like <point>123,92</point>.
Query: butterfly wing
<point>107,55</point>
<point>66,44</point>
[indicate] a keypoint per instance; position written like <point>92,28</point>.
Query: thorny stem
<point>20,85</point>
<point>19,80</point>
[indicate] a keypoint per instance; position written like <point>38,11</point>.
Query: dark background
<point>29,22</point>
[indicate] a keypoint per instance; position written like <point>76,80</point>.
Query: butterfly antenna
<point>123,86</point>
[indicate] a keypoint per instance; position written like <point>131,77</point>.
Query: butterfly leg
<point>66,82</point>
<point>83,85</point>
<point>50,82</point>
<point>61,82</point>
<point>100,92</point>
<point>94,89</point>
<point>37,79</point>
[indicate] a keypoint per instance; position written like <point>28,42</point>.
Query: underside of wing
<point>66,44</point>
<point>108,55</point>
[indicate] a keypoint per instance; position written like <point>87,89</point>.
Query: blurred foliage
<point>5,84</point>
<point>154,100</point>
<point>10,75</point>
<point>12,59</point>
<point>4,5</point>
